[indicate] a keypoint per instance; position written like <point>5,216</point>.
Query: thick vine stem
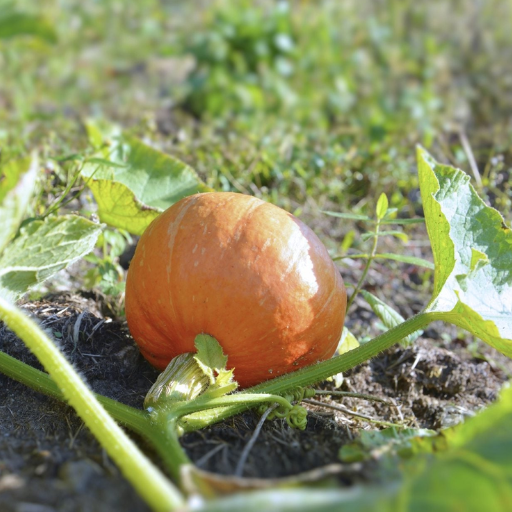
<point>205,410</point>
<point>177,411</point>
<point>315,373</point>
<point>41,382</point>
<point>149,482</point>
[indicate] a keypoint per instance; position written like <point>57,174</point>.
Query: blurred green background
<point>309,104</point>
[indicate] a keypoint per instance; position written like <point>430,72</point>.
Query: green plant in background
<point>384,216</point>
<point>242,60</point>
<point>15,22</point>
<point>333,131</point>
<point>367,82</point>
<point>254,58</point>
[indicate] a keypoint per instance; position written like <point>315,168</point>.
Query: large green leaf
<point>42,249</point>
<point>475,473</point>
<point>17,183</point>
<point>133,182</point>
<point>472,250</point>
<point>14,22</point>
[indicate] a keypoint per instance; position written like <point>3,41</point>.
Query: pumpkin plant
<point>472,250</point>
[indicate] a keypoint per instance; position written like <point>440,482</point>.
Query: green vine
<point>163,422</point>
<point>149,482</point>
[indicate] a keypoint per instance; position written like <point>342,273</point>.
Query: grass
<point>311,105</point>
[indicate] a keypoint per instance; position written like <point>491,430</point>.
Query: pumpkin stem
<point>191,375</point>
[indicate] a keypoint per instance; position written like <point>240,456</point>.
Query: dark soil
<point>50,462</point>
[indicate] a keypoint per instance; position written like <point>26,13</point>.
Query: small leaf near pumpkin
<point>347,342</point>
<point>212,361</point>
<point>17,184</point>
<point>42,249</point>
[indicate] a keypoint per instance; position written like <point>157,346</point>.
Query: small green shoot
<point>382,207</point>
<point>383,215</point>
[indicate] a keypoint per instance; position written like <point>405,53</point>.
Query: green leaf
<point>472,250</point>
<point>348,240</point>
<point>398,234</point>
<point>382,206</point>
<point>420,262</point>
<point>73,157</point>
<point>17,23</point>
<point>17,183</point>
<point>373,444</point>
<point>212,361</point>
<point>477,468</point>
<point>133,182</point>
<point>209,353</point>
<point>352,216</point>
<point>390,214</point>
<point>388,316</point>
<point>42,249</point>
<point>118,207</point>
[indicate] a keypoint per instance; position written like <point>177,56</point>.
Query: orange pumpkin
<point>242,270</point>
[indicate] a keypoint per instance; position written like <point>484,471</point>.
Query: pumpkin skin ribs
<point>242,270</point>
